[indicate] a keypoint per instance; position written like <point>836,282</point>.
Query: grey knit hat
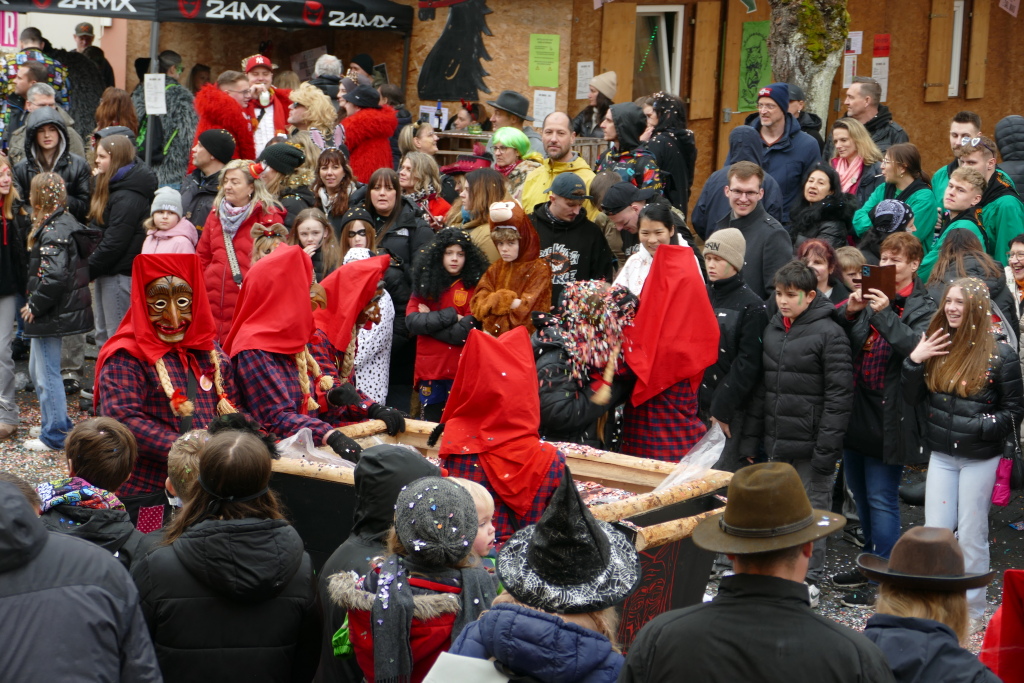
<point>167,199</point>
<point>728,244</point>
<point>435,519</point>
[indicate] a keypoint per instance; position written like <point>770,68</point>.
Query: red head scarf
<point>136,334</point>
<point>273,312</point>
<point>494,410</point>
<point>675,333</point>
<point>529,241</point>
<point>349,289</point>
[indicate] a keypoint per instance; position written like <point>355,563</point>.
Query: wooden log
<point>314,470</point>
<point>378,428</point>
<point>621,509</point>
<point>667,532</point>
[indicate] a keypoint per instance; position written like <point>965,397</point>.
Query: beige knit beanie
<point>606,84</point>
<point>727,244</point>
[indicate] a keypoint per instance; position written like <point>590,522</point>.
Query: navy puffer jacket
<point>540,645</point>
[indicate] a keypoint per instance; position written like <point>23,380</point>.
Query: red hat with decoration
<point>251,63</point>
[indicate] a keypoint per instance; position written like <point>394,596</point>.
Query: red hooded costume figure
<point>218,110</point>
<point>1003,647</point>
<point>279,378</point>
<point>527,278</point>
<point>674,337</point>
<point>368,137</point>
<point>142,381</point>
<point>491,425</point>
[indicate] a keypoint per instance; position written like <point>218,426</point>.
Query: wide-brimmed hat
<point>925,558</point>
<point>465,163</point>
<point>568,562</point>
<point>768,509</point>
<point>513,103</point>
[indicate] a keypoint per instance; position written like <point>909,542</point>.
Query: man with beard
<point>575,248</point>
<point>162,373</point>
<point>558,138</point>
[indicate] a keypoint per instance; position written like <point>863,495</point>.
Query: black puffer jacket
<point>566,411</point>
<point>13,257</point>
<point>197,195</point>
<point>727,390</point>
<point>808,380</point>
<point>111,530</point>
<point>831,220</point>
<point>1010,141</point>
<point>294,200</point>
<point>232,600</point>
<point>811,124</point>
<point>675,151</point>
<point>998,291</point>
<point>72,168</point>
<point>328,84</point>
<point>131,197</point>
<point>883,130</point>
<point>975,427</point>
<point>882,424</point>
<point>870,178</point>
<point>58,282</point>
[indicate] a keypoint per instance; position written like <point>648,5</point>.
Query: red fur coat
<point>217,109</point>
<point>368,136</point>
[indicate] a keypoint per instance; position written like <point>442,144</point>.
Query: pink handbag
<point>1001,492</point>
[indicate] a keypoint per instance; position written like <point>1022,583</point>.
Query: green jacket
<point>932,255</point>
<point>921,201</point>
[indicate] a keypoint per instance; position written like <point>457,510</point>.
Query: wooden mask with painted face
<point>169,302</point>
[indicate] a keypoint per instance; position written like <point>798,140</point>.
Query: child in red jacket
<point>445,274</point>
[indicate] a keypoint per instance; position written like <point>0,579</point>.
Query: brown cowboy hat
<point>768,509</point>
<point>925,558</point>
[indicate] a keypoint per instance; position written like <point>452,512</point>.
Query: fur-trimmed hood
<point>837,207</point>
<point>431,280</point>
<point>347,593</point>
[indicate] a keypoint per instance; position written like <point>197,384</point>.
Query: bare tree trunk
<point>806,46</point>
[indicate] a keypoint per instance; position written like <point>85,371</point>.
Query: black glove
<point>344,395</point>
<point>344,446</point>
<point>392,417</point>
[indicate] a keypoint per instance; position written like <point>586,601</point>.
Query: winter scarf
<point>849,172</point>
<point>232,217</point>
<point>393,610</point>
<point>122,172</point>
<point>78,492</point>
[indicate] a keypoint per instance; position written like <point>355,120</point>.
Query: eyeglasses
<point>247,92</point>
<point>740,193</point>
<point>357,233</point>
<point>1015,256</point>
<point>498,149</point>
<point>885,162</point>
<point>767,106</point>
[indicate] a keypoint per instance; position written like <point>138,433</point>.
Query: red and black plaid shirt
<point>665,427</point>
<point>130,392</point>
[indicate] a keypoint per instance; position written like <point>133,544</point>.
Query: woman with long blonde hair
<point>856,158</point>
<point>420,180</point>
<point>311,109</point>
<point>970,382</point>
<point>15,223</point>
<point>226,242</point>
<point>123,190</point>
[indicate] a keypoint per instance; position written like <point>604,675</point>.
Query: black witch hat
<point>568,562</point>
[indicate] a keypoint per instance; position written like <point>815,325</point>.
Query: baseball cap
<point>258,60</point>
<point>84,29</point>
<point>621,195</point>
<point>569,186</point>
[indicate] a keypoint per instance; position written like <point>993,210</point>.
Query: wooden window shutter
<point>940,51</point>
<point>703,79</point>
<point>618,44</point>
<point>977,55</point>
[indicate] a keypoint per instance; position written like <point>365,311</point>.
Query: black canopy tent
<point>382,15</point>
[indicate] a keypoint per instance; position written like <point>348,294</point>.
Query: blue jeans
<point>875,487</point>
<point>44,368</point>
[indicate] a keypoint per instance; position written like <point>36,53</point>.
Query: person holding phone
<point>883,434</point>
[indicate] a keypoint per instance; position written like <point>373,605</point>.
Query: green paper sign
<point>544,60</point>
<point>755,63</point>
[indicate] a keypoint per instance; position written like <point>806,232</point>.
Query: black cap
<point>621,195</point>
<point>364,96</point>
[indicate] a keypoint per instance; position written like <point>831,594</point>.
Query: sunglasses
<point>975,142</point>
<point>357,233</point>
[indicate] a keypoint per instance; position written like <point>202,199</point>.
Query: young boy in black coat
<point>727,391</point>
<point>808,375</point>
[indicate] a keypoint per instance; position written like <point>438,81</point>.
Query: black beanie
<point>219,143</point>
<point>364,61</point>
<point>283,157</point>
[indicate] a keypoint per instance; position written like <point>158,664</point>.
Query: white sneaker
<point>35,432</point>
<point>814,593</point>
<point>36,445</point>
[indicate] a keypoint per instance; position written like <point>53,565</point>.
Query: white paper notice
<point>849,69</point>
<point>156,96</point>
<point>543,104</point>
<point>855,43</point>
<point>1011,6</point>
<point>428,112</point>
<point>303,62</point>
<point>584,74</point>
<point>880,72</point>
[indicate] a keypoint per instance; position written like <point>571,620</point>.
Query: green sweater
<point>1004,218</point>
<point>933,254</point>
<point>921,202</point>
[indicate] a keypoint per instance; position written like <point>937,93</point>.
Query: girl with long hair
<point>286,178</point>
<point>123,191</point>
<point>224,247</point>
<point>357,231</point>
<point>116,109</point>
<point>211,587</point>
<point>821,258</point>
<point>333,185</point>
<point>601,95</point>
<point>963,256</point>
<point>673,145</point>
<point>857,158</point>
<point>58,302</point>
<point>823,211</point>
<point>906,181</point>
<point>420,181</point>
<point>313,232</point>
<point>15,224</point>
<point>482,188</point>
<point>970,382</point>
